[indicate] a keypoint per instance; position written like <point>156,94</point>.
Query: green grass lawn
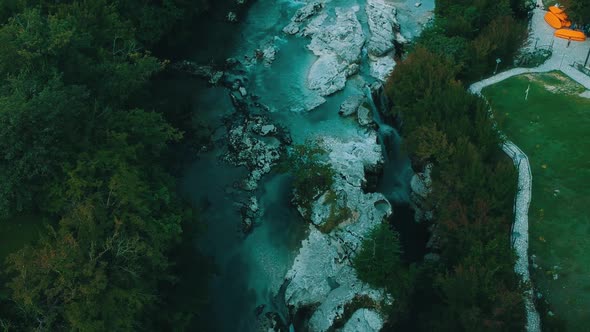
<point>553,128</point>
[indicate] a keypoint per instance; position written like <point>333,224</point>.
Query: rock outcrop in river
<point>339,43</point>
<point>322,278</point>
<point>339,47</point>
<point>322,281</point>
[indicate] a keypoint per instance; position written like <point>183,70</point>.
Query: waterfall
<point>385,132</point>
<point>397,170</point>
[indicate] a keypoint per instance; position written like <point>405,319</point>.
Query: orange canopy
<point>553,20</point>
<point>561,16</point>
<point>570,34</point>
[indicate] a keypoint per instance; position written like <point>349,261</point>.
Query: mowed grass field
<point>553,128</point>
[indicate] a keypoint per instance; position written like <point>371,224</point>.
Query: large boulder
<point>384,29</point>
<point>383,25</point>
<point>246,149</point>
<point>327,75</point>
<point>339,49</point>
<point>344,38</point>
<point>351,105</point>
<point>365,320</point>
<point>302,15</point>
<point>381,67</point>
<point>364,116</point>
<point>420,186</point>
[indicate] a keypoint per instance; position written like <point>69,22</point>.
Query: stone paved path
<point>563,56</point>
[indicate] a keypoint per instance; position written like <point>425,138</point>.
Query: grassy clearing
<point>553,129</point>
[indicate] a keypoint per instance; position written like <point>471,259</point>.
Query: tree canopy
<point>80,151</point>
<point>472,286</point>
<point>578,11</point>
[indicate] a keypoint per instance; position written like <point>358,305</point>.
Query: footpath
<point>564,55</point>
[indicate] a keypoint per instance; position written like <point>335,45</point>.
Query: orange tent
<point>555,10</point>
<point>553,20</point>
<point>570,34</point>
<point>561,16</point>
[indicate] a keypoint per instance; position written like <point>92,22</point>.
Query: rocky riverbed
<point>304,71</point>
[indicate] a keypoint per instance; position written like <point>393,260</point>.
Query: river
<point>251,268</point>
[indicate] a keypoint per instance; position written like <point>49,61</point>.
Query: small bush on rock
<point>312,176</point>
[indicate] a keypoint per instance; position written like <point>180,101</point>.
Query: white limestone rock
<point>364,116</point>
<point>322,274</point>
<point>327,75</point>
<point>269,55</point>
<point>313,102</point>
<point>420,184</point>
<point>344,38</point>
<point>302,15</point>
<point>351,105</point>
<point>268,129</point>
<point>314,25</point>
<point>321,208</point>
<point>351,158</point>
<point>383,25</point>
<point>244,149</point>
<point>339,49</point>
<point>381,67</point>
<point>365,320</point>
<point>307,11</point>
<point>291,28</point>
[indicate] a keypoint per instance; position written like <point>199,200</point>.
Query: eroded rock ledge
<point>339,42</point>
<point>322,277</point>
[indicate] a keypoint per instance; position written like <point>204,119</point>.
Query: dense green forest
<point>83,155</point>
<point>578,11</point>
<point>472,286</point>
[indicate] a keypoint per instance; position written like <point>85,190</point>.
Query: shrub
<point>311,175</point>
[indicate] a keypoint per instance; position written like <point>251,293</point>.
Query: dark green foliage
<point>522,8</point>
<point>500,39</point>
<point>78,151</point>
<point>578,11</point>
<point>472,35</point>
<point>534,58</point>
<point>473,286</point>
<point>378,263</point>
<point>33,135</point>
<point>312,176</point>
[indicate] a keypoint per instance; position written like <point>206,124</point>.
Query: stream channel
<point>251,268</point>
